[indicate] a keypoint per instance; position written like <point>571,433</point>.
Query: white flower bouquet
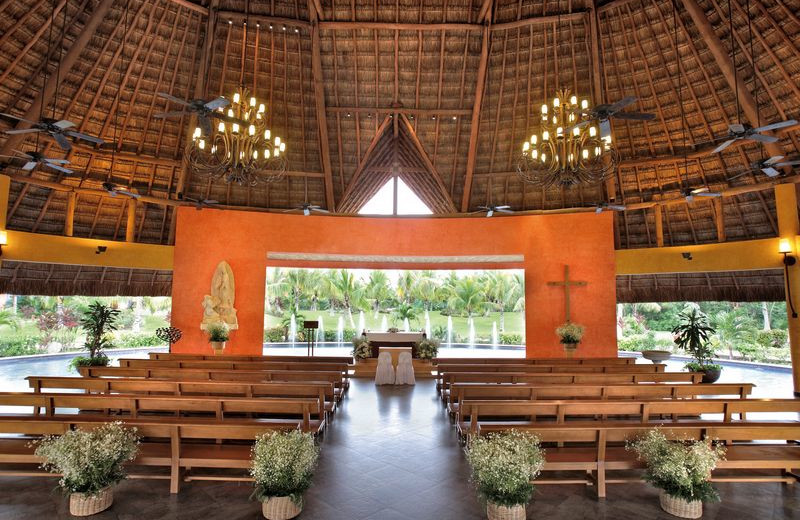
<point>681,468</point>
<point>504,466</point>
<point>427,348</point>
<point>89,460</point>
<point>361,348</point>
<point>570,333</point>
<point>283,465</point>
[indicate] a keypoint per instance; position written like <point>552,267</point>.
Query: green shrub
<point>100,360</point>
<point>510,338</point>
<point>645,341</point>
<point>19,346</point>
<point>134,340</point>
<point>274,335</point>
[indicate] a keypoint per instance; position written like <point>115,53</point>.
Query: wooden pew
<point>481,391</point>
<point>449,378</point>
<point>540,361</point>
<point>747,449</point>
<point>199,374</point>
<point>322,391</point>
<point>171,442</point>
<point>503,415</point>
<point>235,357</point>
<point>309,411</point>
<point>237,365</point>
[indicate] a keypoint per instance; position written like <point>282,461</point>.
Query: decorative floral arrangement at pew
<point>570,333</point>
<point>427,348</point>
<point>283,465</point>
<point>504,466</point>
<point>681,468</point>
<point>89,460</point>
<point>361,348</point>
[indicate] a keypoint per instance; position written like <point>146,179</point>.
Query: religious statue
<point>218,306</point>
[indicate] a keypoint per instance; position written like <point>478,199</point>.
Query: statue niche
<point>218,306</point>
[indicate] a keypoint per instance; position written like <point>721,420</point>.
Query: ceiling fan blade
<point>62,141</point>
<point>502,207</point>
<point>57,161</point>
<point>23,154</point>
<point>776,126</point>
<point>762,138</point>
<point>577,125</point>
<point>616,207</point>
<point>635,116</point>
<point>772,160</point>
<point>320,210</point>
<point>736,128</point>
<point>174,99</point>
<point>58,168</point>
<point>30,165</point>
<point>23,131</point>
<point>789,163</point>
<point>605,128</point>
<point>128,193</point>
<point>209,202</point>
<point>709,194</point>
<point>174,113</point>
<point>205,125</point>
<point>724,145</point>
<point>622,103</point>
<point>85,137</point>
<point>770,171</point>
<point>17,118</point>
<point>64,124</point>
<point>509,211</point>
<point>697,191</point>
<point>214,104</point>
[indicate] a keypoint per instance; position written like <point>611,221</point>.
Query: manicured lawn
<point>514,321</point>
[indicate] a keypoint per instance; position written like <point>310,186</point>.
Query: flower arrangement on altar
<point>427,348</point>
<point>680,469</point>
<point>570,332</point>
<point>361,348</point>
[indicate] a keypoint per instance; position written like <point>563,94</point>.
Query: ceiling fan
<point>199,203</point>
<point>35,159</point>
<point>690,193</point>
<point>769,166</point>
<point>604,206</point>
<point>307,208</point>
<point>204,110</point>
<point>738,132</point>
<point>114,191</point>
<point>491,210</point>
<point>605,111</point>
<point>58,130</point>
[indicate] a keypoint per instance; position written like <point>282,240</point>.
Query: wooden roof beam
<point>428,163</point>
<point>371,148</point>
<point>472,152</point>
<point>418,112</point>
<point>319,100</point>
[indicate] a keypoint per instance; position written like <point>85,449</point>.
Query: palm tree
<point>518,279</point>
<point>9,318</point>
<point>378,289</point>
<point>425,288</point>
<point>298,283</point>
<point>467,296</point>
<point>347,290</point>
<point>732,328</point>
<point>276,289</point>
<point>405,286</point>
<point>500,290</point>
<point>404,312</point>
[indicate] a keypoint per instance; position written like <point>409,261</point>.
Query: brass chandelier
<point>567,148</point>
<point>240,148</point>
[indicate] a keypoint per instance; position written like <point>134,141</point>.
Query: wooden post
<point>659,225</point>
<point>69,223</point>
<point>130,227</point>
<point>476,117</point>
<point>46,94</point>
<point>789,228</point>
<point>719,219</point>
<point>597,84</point>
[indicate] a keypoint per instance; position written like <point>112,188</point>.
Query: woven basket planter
<point>280,508</point>
<point>498,512</point>
<point>86,505</point>
<point>680,507</point>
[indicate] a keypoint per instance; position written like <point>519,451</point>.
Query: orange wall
<point>548,242</point>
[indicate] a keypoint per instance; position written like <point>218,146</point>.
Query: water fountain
<point>340,332</point>
<point>449,331</point>
<point>292,330</point>
<point>471,325</point>
<point>406,325</point>
<point>361,325</point>
<point>321,330</point>
<point>384,324</point>
<point>495,342</point>
<point>427,325</point>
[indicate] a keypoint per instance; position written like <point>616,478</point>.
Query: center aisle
<point>391,453</point>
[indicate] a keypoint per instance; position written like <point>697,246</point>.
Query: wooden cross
<point>566,285</point>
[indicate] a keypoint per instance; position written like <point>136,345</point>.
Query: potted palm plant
<point>90,463</point>
<point>98,322</point>
<point>217,336</point>
<point>570,334</point>
<point>693,335</point>
<point>504,466</point>
<point>282,468</point>
<point>680,469</point>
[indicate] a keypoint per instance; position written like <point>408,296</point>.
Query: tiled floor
<point>390,454</point>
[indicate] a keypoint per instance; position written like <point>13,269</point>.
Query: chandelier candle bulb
<point>261,108</point>
<point>251,130</point>
<point>277,141</point>
<point>573,100</point>
<point>236,99</point>
<point>202,144</point>
<point>252,102</point>
<point>526,146</point>
<point>282,147</point>
<point>533,139</point>
<point>556,102</point>
<point>196,133</point>
<point>235,128</point>
<point>545,135</point>
<point>592,131</point>
<point>221,127</point>
<point>584,104</point>
<point>544,110</point>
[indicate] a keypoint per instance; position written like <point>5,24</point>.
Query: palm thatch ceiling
<point>444,91</point>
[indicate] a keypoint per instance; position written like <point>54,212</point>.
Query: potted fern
<point>98,322</point>
<point>504,466</point>
<point>680,469</point>
<point>693,335</point>
<point>570,334</point>
<point>282,468</point>
<point>217,336</point>
<point>90,463</point>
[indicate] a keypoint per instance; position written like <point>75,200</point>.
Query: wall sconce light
<point>785,248</point>
<point>3,241</point>
<point>101,249</point>
<point>686,256</point>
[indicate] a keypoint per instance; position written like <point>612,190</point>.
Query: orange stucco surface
<point>547,242</point>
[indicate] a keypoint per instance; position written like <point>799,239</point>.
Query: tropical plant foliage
<point>693,335</point>
<point>283,464</point>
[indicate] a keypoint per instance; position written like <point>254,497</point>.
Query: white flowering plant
<point>681,468</point>
<point>89,460</point>
<point>361,348</point>
<point>283,465</point>
<point>504,466</point>
<point>427,348</point>
<point>570,332</point>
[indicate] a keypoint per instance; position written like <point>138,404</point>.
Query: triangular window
<point>384,201</point>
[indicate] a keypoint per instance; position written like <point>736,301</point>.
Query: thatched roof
<point>742,286</point>
<point>331,75</point>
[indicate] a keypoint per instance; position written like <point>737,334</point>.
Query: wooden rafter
<point>472,152</point>
<point>319,100</point>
